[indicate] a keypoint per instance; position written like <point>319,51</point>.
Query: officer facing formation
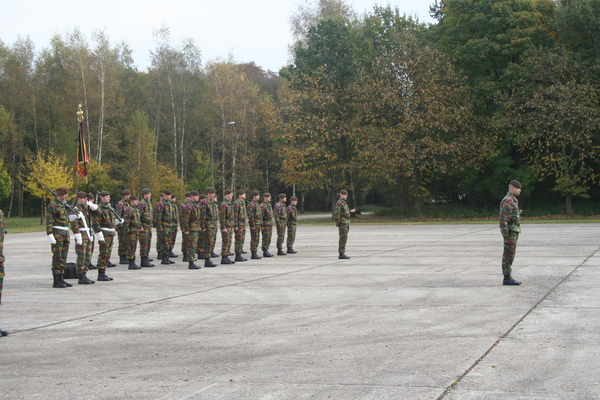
<point>280,222</point>
<point>239,224</point>
<point>255,222</point>
<point>510,227</point>
<point>130,231</point>
<point>292,221</point>
<point>84,237</point>
<point>226,222</point>
<point>145,236</point>
<point>341,216</point>
<point>266,215</point>
<point>208,226</point>
<point>190,228</point>
<point>163,222</point>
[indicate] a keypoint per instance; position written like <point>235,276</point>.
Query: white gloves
<point>78,238</point>
<point>92,206</point>
<point>100,236</point>
<point>51,239</point>
<point>73,217</point>
<point>118,221</point>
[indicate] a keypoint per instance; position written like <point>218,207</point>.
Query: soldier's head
<point>90,197</point>
<point>514,187</point>
<point>201,197</point>
<point>166,195</point>
<point>211,193</point>
<point>133,200</point>
<point>282,197</point>
<point>146,194</point>
<point>294,200</point>
<point>266,197</point>
<point>104,197</point>
<point>194,195</point>
<point>173,198</point>
<point>187,196</point>
<point>343,194</point>
<point>81,198</point>
<point>62,193</point>
<point>126,194</point>
<point>241,194</point>
<point>228,194</point>
<point>255,195</point>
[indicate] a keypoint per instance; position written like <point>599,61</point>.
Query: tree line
<point>398,111</point>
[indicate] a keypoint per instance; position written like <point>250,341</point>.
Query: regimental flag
<point>83,157</point>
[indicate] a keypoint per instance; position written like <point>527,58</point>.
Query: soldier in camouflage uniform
<point>174,225</point>
<point>200,243</point>
<point>57,230</point>
<point>145,236</point>
<point>510,227</point>
<point>341,216</point>
<point>84,237</point>
<point>189,221</point>
<point>182,206</point>
<point>254,220</point>
<point>280,222</point>
<point>292,220</point>
<point>104,228</point>
<point>208,225</point>
<point>226,222</point>
<point>266,224</point>
<point>163,224</point>
<point>131,229</point>
<point>121,207</point>
<point>2,333</point>
<point>239,224</point>
<point>215,206</point>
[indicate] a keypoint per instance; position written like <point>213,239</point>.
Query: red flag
<point>83,156</point>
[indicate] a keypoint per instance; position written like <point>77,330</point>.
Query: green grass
<point>22,225</point>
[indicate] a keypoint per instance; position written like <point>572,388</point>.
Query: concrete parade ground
<point>419,312</point>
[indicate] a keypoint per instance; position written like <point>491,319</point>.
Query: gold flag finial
<point>79,114</point>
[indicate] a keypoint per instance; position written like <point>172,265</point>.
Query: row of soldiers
<point>132,220</point>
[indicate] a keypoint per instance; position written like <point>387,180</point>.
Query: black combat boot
<point>255,256</point>
<point>291,251</point>
<point>185,258</point>
<point>91,266</point>
<point>123,260</point>
<point>191,265</point>
<point>83,279</point>
<point>226,260</point>
<point>238,257</point>
<point>58,282</point>
<point>102,276</point>
<point>67,284</point>
<point>343,256</point>
<point>201,256</point>
<point>172,255</point>
<point>213,255</point>
<point>280,252</point>
<point>267,254</point>
<point>3,333</point>
<point>208,263</point>
<point>165,260</point>
<point>146,263</point>
<point>508,280</point>
<point>132,264</point>
<point>110,265</point>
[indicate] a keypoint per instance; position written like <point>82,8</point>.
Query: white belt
<point>107,229</point>
<point>62,228</point>
<point>84,229</point>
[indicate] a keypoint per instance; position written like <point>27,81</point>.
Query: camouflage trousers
<point>254,238</point>
<point>172,237</point>
<point>267,232</point>
<point>226,241</point>
<point>59,252</point>
<point>344,228</point>
<point>145,239</point>
<point>280,235</point>
<point>184,238</point>
<point>291,235</point>
<point>240,237</point>
<point>191,245</point>
<point>510,248</point>
<point>84,253</point>
<point>105,251</point>
<point>1,280</point>
<point>131,239</point>
<point>122,249</point>
<point>208,241</point>
<point>214,239</point>
<point>200,244</point>
<point>163,241</point>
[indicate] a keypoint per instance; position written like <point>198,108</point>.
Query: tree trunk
<point>569,204</point>
<point>418,201</point>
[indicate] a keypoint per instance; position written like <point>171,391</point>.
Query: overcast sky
<point>249,30</point>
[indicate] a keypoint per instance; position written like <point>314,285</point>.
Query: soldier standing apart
<point>189,220</point>
<point>510,227</point>
<point>104,228</point>
<point>145,236</point>
<point>226,222</point>
<point>182,207</point>
<point>162,223</point>
<point>84,238</point>
<point>341,215</point>
<point>208,226</point>
<point>121,207</point>
<point>280,222</point>
<point>57,230</point>
<point>292,220</point>
<point>239,224</point>
<point>266,218</point>
<point>2,333</point>
<point>254,220</point>
<point>200,242</point>
<point>131,229</point>
<point>174,223</point>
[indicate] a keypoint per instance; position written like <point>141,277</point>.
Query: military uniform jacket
<point>239,213</point>
<point>254,214</point>
<point>174,213</point>
<point>131,221</point>
<point>341,213</point>
<point>163,215</point>
<point>103,220</point>
<point>207,215</point>
<point>78,226</point>
<point>280,214</point>
<point>190,217</point>
<point>266,214</point>
<point>292,215</point>
<point>145,207</point>
<point>226,214</point>
<point>510,215</point>
<point>121,208</point>
<point>57,216</point>
<point>215,208</point>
